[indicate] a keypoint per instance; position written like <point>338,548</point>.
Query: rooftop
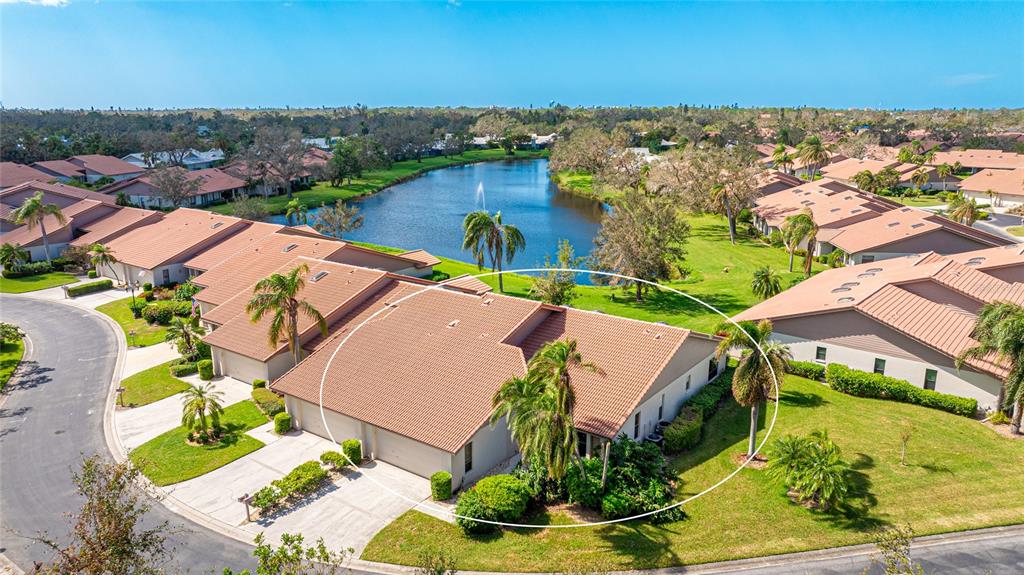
<point>172,237</point>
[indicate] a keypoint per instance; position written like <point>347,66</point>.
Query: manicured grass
<point>583,184</point>
<point>375,180</point>
<point>10,356</point>
<point>145,334</point>
<point>919,201</point>
<point>151,385</point>
<point>1016,231</point>
<point>168,459</point>
<point>721,274</point>
<point>959,475</point>
<point>38,282</point>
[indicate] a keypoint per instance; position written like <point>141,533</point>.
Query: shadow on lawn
<point>855,513</point>
<point>648,546</point>
<point>665,302</point>
<point>792,398</point>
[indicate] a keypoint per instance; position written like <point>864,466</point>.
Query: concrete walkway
<point>91,301</point>
<point>142,358</point>
<point>138,425</point>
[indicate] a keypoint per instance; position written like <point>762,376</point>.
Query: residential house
<point>845,171</point>
<point>1001,188</point>
<point>216,186</point>
<point>14,174</point>
<point>980,159</point>
<point>190,159</point>
<point>89,168</point>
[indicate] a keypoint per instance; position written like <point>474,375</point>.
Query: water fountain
<point>480,197</point>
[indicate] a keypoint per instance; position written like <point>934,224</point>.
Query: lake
<point>427,212</point>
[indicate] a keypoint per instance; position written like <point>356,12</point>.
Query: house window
<point>167,276</point>
<point>879,366</point>
<point>581,442</point>
<point>867,259</point>
<point>712,368</point>
<point>661,408</point>
<point>636,426</point>
<point>688,377</point>
<point>469,456</point>
<point>930,375</point>
<point>819,353</point>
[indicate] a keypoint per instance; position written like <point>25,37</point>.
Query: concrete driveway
<point>347,513</point>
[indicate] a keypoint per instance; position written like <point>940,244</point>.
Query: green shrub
<point>807,369</point>
<point>999,418</point>
<point>616,505</point>
<point>587,492</point>
<point>875,385</point>
<point>146,295</point>
<point>333,459</point>
<point>92,274</point>
<point>148,286</point>
<point>302,480</point>
<point>91,287</point>
<point>269,402</point>
<point>441,486</point>
<point>205,368</point>
<point>183,369</point>
<point>684,431</point>
<point>266,498</point>
<point>706,401</point>
<point>353,449</point>
<point>282,423</point>
<point>29,269</point>
<point>493,498</point>
<point>257,383</point>
<point>162,312</point>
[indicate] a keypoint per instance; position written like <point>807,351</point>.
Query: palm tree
<point>277,295</point>
<point>184,333</point>
<point>753,382</point>
<point>198,404</point>
<point>297,210</point>
<point>795,230</point>
<point>781,157</point>
<point>100,256</point>
<point>866,181</point>
<point>33,213</point>
<point>814,154</point>
<point>965,211</point>
<point>999,330</point>
<point>488,237</point>
<point>919,178</point>
<point>944,170</point>
<point>12,255</point>
<point>766,283</point>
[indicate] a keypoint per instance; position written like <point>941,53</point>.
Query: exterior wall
<point>999,200</point>
<point>92,177</point>
<point>491,447</point>
<point>238,366</point>
<point>1012,274</point>
<point>36,253</point>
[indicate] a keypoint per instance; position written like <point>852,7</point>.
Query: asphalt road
<point>53,416</point>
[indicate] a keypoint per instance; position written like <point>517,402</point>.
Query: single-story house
<point>190,159</point>
<point>906,317</point>
<point>216,187</point>
<point>14,174</point>
<point>89,168</point>
<point>845,171</point>
<point>1001,188</point>
<point>980,159</point>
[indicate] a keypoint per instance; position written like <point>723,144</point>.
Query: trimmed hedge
<point>269,402</point>
<point>282,423</point>
<point>205,368</point>
<point>706,401</point>
<point>302,480</point>
<point>258,383</point>
<point>807,369</point>
<point>333,459</point>
<point>29,269</point>
<point>353,449</point>
<point>441,486</point>
<point>684,431</point>
<point>875,385</point>
<point>162,312</point>
<point>92,274</point>
<point>183,369</point>
<point>266,498</point>
<point>91,287</point>
<point>493,498</point>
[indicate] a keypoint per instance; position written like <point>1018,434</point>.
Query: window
<point>469,456</point>
<point>880,366</point>
<point>636,426</point>
<point>930,375</point>
<point>867,259</point>
<point>819,353</point>
<point>661,408</point>
<point>581,442</point>
<point>688,377</point>
<point>712,368</point>
<point>167,276</point>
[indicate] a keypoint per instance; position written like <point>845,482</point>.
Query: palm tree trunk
<point>46,241</point>
<point>604,465</point>
<point>791,255</point>
<point>752,441</point>
<point>732,221</point>
<point>1018,408</point>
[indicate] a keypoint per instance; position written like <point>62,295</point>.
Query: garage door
<point>342,427</point>
<point>410,455</point>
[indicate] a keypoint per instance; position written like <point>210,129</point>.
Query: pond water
<point>427,212</point>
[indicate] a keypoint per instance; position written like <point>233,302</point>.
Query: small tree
<point>766,282</point>
<point>298,211</point>
<point>201,410</point>
<point>185,334</point>
<point>488,237</point>
<point>249,208</point>
<point>337,220</point>
<point>906,433</point>
<point>291,557</point>
<point>175,185</point>
<point>101,256</point>
<point>894,552</point>
<point>12,255</point>
<point>558,287</point>
<point>10,333</point>
<point>33,212</point>
<point>436,562</point>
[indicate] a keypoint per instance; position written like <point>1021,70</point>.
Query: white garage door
<point>408,454</point>
<point>342,427</point>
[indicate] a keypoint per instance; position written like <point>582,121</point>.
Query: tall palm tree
<point>814,154</point>
<point>781,157</point>
<point>12,255</point>
<point>184,333</point>
<point>278,295</point>
<point>965,211</point>
<point>795,230</point>
<point>944,170</point>
<point>100,256</point>
<point>752,382</point>
<point>201,408</point>
<point>766,283</point>
<point>488,237</point>
<point>866,181</point>
<point>297,210</point>
<point>33,212</point>
<point>919,178</point>
<point>999,330</point>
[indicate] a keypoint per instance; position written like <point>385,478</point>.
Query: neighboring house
<point>798,167</point>
<point>191,159</point>
<point>416,383</point>
<point>325,144</point>
<point>907,317</point>
<point>156,253</point>
<point>1001,188</point>
<point>980,159</point>
<point>256,175</point>
<point>217,187</point>
<point>773,181</point>
<point>845,171</point>
<point>13,174</point>
<point>89,168</point>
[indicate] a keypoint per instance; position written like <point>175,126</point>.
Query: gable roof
<point>172,238</point>
<point>60,168</point>
<point>12,174</point>
<point>120,222</point>
<point>25,236</point>
<point>251,235</point>
<point>104,165</point>
<point>53,189</point>
<point>212,180</point>
<point>1002,182</point>
<point>980,158</point>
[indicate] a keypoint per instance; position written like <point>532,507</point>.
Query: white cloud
<point>454,3</point>
<point>57,3</point>
<point>967,79</point>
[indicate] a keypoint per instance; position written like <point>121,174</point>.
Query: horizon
<point>239,56</point>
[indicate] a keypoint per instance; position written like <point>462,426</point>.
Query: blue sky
<point>236,54</point>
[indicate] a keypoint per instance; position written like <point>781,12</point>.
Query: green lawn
<point>33,283</point>
<point>721,274</point>
<point>583,184</point>
<point>145,334</point>
<point>919,201</point>
<point>375,180</point>
<point>167,459</point>
<point>1016,231</point>
<point>10,356</point>
<point>151,385</point>
<point>959,475</point>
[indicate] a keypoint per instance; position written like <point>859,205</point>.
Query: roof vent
<point>216,225</point>
<point>834,210</point>
<point>840,289</point>
<point>851,284</point>
<point>874,270</point>
<point>917,225</point>
<point>319,276</point>
<point>453,323</point>
<point>289,248</point>
<point>866,275</point>
<point>892,224</point>
<point>975,261</point>
<point>845,299</point>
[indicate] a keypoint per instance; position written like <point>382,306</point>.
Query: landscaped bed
<point>145,333</point>
<point>958,475</point>
<point>168,459</point>
<point>11,353</point>
<point>36,282</point>
<point>151,385</point>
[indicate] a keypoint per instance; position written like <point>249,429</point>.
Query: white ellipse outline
<point>436,509</point>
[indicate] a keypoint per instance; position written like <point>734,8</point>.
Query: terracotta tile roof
<point>980,158</point>
<point>848,168</point>
<point>12,174</point>
<point>172,238</point>
<point>60,167</point>
<point>104,165</point>
<point>250,236</point>
<point>54,189</point>
<point>212,180</point>
<point>1002,182</point>
<point>422,257</point>
<point>29,237</point>
<point>468,283</point>
<point>107,228</point>
<point>1011,255</point>
<point>903,223</point>
<point>831,202</point>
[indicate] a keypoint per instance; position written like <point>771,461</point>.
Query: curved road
<point>54,414</point>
